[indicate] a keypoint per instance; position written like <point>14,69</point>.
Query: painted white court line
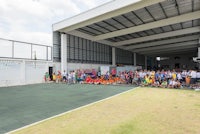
<point>90,104</point>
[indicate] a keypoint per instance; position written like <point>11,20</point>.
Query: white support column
<point>198,51</point>
<point>135,59</point>
<point>113,56</point>
<point>63,52</point>
<point>23,72</point>
<point>145,62</point>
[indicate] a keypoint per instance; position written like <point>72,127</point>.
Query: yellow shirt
<point>54,77</point>
<point>174,76</point>
<point>147,79</point>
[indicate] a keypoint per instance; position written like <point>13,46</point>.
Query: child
<point>54,77</point>
<point>164,84</point>
<point>46,77</point>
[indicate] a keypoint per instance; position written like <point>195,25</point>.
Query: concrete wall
<point>75,66</point>
<point>22,72</point>
<point>15,72</point>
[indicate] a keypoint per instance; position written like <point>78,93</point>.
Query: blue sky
<point>31,20</point>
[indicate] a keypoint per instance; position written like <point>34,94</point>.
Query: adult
<point>193,75</point>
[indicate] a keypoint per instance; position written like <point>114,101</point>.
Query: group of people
<point>163,78</point>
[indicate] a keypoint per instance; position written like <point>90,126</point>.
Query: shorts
<point>193,81</point>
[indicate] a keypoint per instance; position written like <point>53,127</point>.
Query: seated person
<point>164,84</point>
<point>172,83</point>
<point>97,81</point>
<point>58,78</point>
<point>144,83</point>
<point>46,77</point>
<point>156,84</point>
<point>89,80</point>
<point>54,77</point>
<point>177,84</point>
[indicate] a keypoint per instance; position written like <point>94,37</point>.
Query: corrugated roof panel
<point>115,23</point>
<point>156,11</point>
<point>167,28</point>
<point>184,6</point>
<point>196,5</point>
<point>196,22</point>
<point>124,21</point>
<point>91,30</point>
<point>135,35</point>
<point>157,30</point>
<point>150,32</point>
<point>111,40</point>
<point>127,37</point>
<point>170,12</point>
<point>107,26</point>
<point>187,24</point>
<point>170,8</point>
<point>99,28</point>
<point>144,15</point>
<point>176,26</point>
<point>121,38</point>
<point>134,19</point>
<point>87,32</point>
<point>142,34</point>
<point>117,39</point>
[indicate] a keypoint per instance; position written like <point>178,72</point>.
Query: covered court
<point>120,32</point>
<point>23,105</point>
<point>131,32</point>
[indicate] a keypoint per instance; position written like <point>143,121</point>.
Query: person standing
<point>198,76</point>
<point>193,75</point>
<point>64,75</point>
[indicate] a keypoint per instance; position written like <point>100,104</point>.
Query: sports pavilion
<point>131,32</point>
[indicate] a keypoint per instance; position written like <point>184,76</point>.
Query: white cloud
<point>31,20</point>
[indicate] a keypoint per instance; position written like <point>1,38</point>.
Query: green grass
<point>140,111</point>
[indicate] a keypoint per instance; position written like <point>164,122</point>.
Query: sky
<point>31,20</point>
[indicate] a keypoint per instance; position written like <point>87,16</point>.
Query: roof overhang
<point>141,26</point>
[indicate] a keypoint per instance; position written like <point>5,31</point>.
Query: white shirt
<point>64,74</point>
<point>184,73</point>
<point>179,76</point>
<point>198,74</point>
<point>193,74</point>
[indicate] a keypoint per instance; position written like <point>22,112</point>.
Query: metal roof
<point>158,28</point>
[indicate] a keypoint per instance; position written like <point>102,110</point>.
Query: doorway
<point>50,73</point>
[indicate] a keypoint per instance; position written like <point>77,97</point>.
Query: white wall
<point>21,72</point>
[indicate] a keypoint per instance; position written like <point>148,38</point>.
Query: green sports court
<point>23,105</point>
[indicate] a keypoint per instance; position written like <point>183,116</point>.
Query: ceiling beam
<point>162,42</point>
<point>156,24</point>
<point>160,36</point>
<point>166,46</point>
